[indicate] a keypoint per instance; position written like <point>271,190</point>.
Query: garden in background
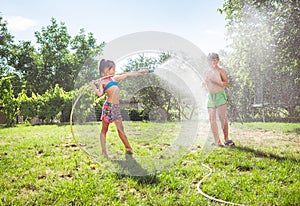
<point>41,164</point>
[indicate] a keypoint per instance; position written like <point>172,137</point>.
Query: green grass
<point>284,127</point>
<point>41,165</point>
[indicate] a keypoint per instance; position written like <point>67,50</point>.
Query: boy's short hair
<point>213,56</point>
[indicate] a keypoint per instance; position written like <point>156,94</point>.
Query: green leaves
<point>8,103</point>
<point>265,53</point>
<point>56,59</point>
<point>54,104</point>
<point>42,75</point>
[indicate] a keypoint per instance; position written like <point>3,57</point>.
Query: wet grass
<point>41,165</point>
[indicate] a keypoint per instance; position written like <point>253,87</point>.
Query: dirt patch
<point>265,143</point>
<point>261,136</point>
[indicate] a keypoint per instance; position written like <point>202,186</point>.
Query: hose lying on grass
<point>199,183</point>
<point>208,196</point>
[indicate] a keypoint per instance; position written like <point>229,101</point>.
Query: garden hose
<point>199,183</point>
<point>208,196</point>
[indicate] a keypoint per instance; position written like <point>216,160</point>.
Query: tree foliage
<point>9,105</point>
<point>42,76</point>
<point>263,67</point>
<point>6,42</point>
<point>29,106</point>
<point>158,99</point>
<point>57,58</point>
<point>53,105</point>
<point>264,55</point>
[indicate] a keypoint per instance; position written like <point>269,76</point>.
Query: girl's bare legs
<point>214,126</point>
<point>224,123</point>
<point>122,135</point>
<point>103,137</point>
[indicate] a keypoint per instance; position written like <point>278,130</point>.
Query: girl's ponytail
<point>102,64</point>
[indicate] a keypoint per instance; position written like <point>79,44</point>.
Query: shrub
<point>135,114</point>
<point>8,103</point>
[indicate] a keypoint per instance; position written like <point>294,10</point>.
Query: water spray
<point>183,76</point>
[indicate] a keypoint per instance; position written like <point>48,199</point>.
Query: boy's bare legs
<point>103,137</point>
<point>224,123</point>
<point>214,126</point>
<point>122,135</point>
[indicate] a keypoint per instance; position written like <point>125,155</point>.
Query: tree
<point>62,56</point>
<point>25,61</point>
<point>9,105</point>
<point>28,106</point>
<point>54,55</point>
<point>51,104</point>
<point>264,53</point>
<point>85,49</point>
<point>34,72</point>
<point>6,41</point>
<point>8,102</point>
<point>155,94</point>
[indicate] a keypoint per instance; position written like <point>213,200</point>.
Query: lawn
<point>42,165</point>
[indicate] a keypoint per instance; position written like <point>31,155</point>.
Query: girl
<point>108,84</point>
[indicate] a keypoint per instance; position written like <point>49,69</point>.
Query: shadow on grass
<point>265,154</point>
<point>131,168</point>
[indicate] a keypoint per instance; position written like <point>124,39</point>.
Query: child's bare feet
<point>218,144</point>
<point>129,151</point>
<point>104,153</point>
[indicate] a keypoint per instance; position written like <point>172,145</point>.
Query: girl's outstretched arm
<point>130,74</point>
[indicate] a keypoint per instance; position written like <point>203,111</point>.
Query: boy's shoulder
<point>221,69</point>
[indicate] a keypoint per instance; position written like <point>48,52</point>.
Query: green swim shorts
<point>216,99</point>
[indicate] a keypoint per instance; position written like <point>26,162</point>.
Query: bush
<point>54,104</point>
<point>125,114</point>
<point>135,114</point>
<point>67,107</point>
<point>28,106</point>
<point>8,103</point>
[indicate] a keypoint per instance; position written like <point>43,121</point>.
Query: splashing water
<point>158,143</point>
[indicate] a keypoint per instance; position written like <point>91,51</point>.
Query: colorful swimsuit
<point>111,112</point>
<point>110,84</point>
